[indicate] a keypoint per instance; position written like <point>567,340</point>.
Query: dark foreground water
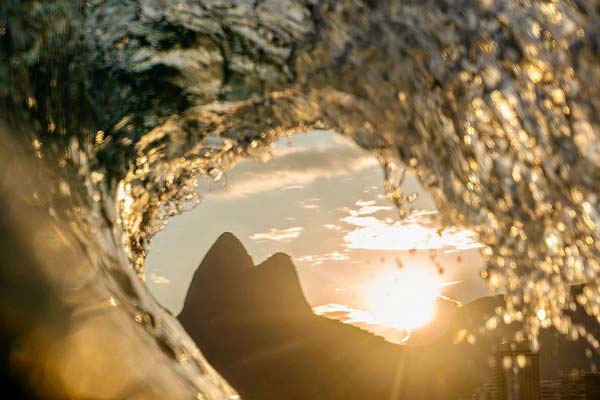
<point>110,109</point>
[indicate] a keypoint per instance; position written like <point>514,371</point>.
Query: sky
<point>320,199</point>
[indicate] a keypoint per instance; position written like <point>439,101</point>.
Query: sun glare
<point>403,299</point>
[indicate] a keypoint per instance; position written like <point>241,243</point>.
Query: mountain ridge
<point>286,351</point>
<point>254,325</point>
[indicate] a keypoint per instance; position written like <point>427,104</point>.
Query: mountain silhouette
<point>254,325</point>
<point>227,284</point>
<point>559,354</point>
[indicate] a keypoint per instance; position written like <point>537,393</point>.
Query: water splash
<point>493,105</point>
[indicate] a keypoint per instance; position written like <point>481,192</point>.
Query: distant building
<point>487,391</point>
<point>551,389</point>
<point>518,378</point>
<point>572,387</point>
<point>592,386</point>
<point>517,372</point>
<point>582,386</point>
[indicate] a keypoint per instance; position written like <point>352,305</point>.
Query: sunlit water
<point>112,108</point>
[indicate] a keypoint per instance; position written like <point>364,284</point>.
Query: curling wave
<point>112,108</point>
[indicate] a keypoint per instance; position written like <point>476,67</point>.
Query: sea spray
<point>493,104</point>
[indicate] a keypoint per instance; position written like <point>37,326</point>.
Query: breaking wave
<point>111,109</point>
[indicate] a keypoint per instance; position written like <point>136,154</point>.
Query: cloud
<point>367,208</point>
<point>341,312</point>
<point>309,204</point>
<point>279,235</point>
<point>159,280</point>
<point>321,258</point>
<point>292,168</point>
<point>363,320</point>
<point>292,187</point>
<point>418,231</point>
<point>370,189</point>
<point>333,227</point>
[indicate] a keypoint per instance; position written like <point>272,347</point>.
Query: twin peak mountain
<point>228,282</point>
<point>255,326</point>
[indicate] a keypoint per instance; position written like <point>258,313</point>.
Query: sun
<point>403,299</point>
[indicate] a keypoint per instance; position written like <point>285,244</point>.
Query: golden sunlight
<point>404,299</point>
<point>417,231</point>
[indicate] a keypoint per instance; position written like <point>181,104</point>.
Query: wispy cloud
<point>279,235</point>
<point>370,189</point>
<point>321,258</point>
<point>292,187</point>
<point>362,319</point>
<point>158,279</point>
<point>367,208</point>
<point>342,312</point>
<point>292,168</point>
<point>333,227</point>
<point>309,204</point>
<point>418,231</point>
